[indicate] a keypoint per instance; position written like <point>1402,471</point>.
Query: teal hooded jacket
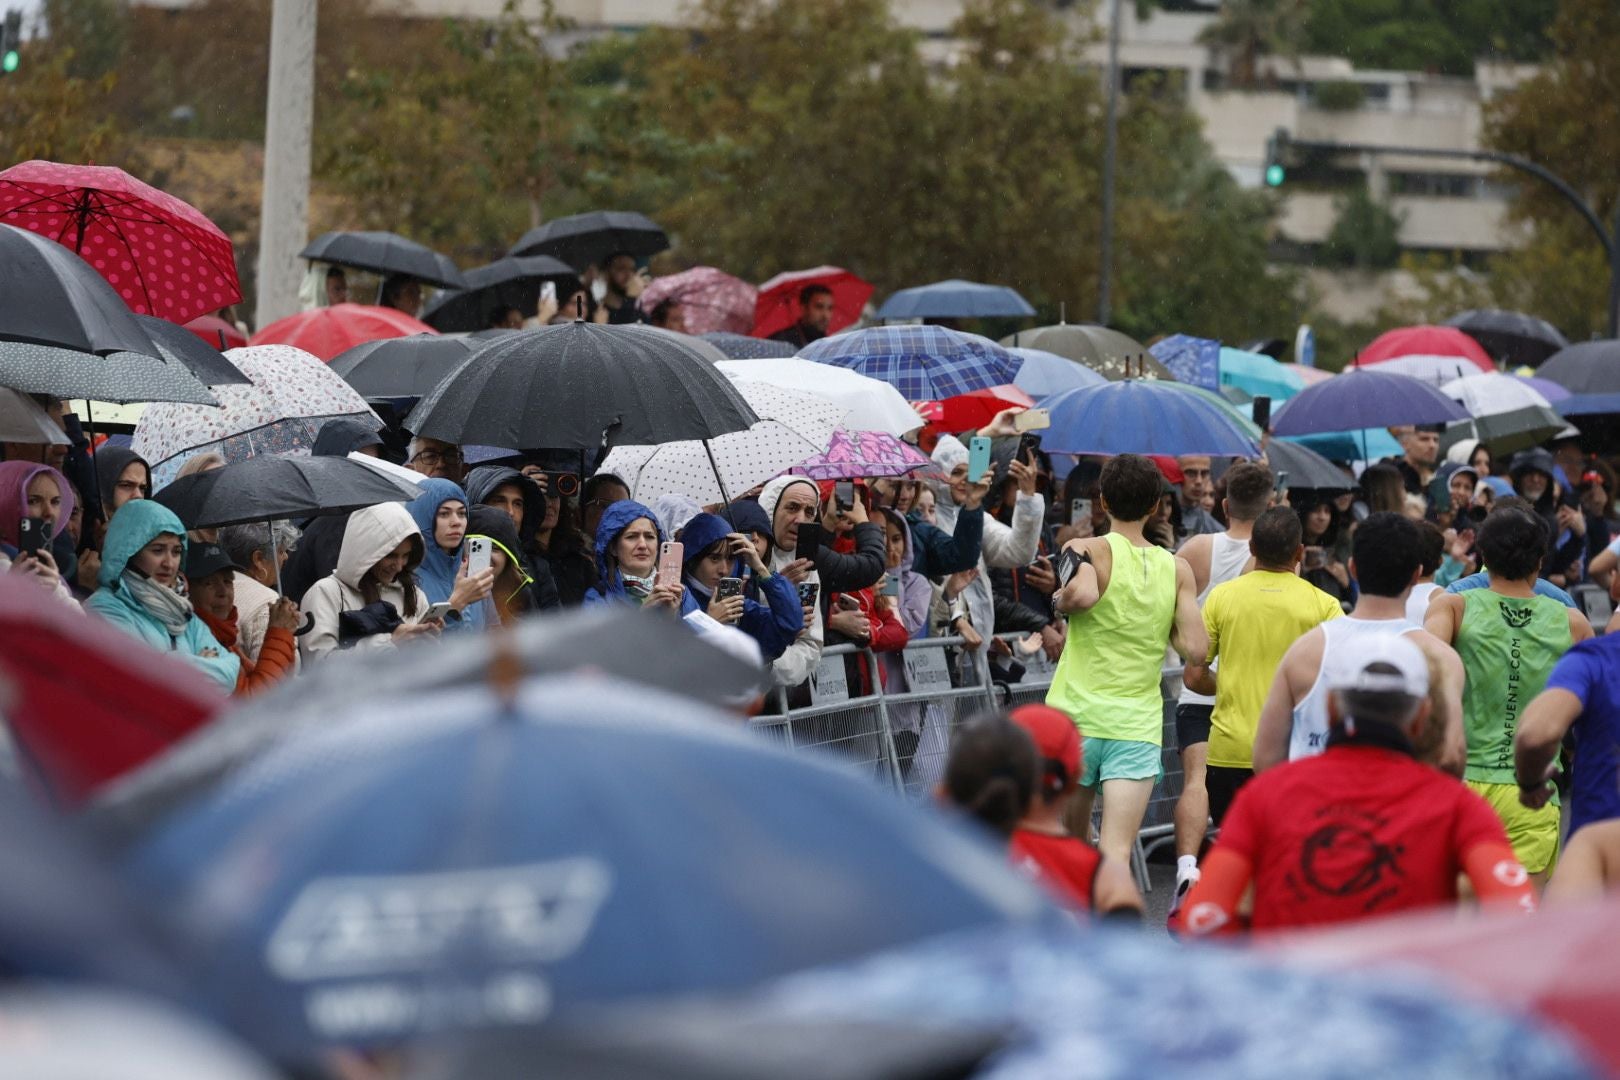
<point>135,525</point>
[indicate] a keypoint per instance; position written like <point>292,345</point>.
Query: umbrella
<point>23,420</point>
<point>1142,416</point>
<point>1435,354</point>
<point>1310,376</point>
<point>1107,352</point>
<point>586,240</point>
<point>778,305</point>
<point>271,488</point>
<point>872,405</point>
<point>1305,468</point>
<point>1511,337</point>
<point>176,344</point>
<point>794,425</point>
<point>855,455</point>
<point>401,367</point>
<point>582,386</point>
<point>1545,387</point>
<point>1193,360</point>
<point>740,347</point>
<point>1508,414</point>
<point>1042,373</point>
<point>956,299</point>
<point>217,332</point>
<point>1590,371</point>
<point>711,300</point>
<point>1241,414</point>
<point>1365,444</point>
<point>509,282</point>
<point>383,253</point>
<point>1365,398</point>
<point>974,409</point>
<point>325,332</point>
<point>120,377</point>
<point>85,702</point>
<point>489,863</point>
<point>162,255</point>
<point>924,363</point>
<point>52,297</point>
<point>1257,374</point>
<point>290,396</point>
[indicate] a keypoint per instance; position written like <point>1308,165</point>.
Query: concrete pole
<point>289,118</point>
<point>1105,245</point>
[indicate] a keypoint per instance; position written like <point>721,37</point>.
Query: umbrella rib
<point>140,275</point>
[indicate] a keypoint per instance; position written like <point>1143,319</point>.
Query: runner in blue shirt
<point>1583,695</point>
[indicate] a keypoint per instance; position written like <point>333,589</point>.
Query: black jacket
<point>858,570</point>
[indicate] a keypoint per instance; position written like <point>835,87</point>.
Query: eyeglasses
<point>437,457</point>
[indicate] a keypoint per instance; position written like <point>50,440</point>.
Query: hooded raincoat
<point>440,568</point>
<point>544,591</point>
<point>15,478</point>
<point>317,550</point>
<point>111,461</point>
<point>616,518</point>
<point>372,534</point>
<point>798,661</point>
<point>495,525</point>
<point>133,526</point>
<point>774,624</point>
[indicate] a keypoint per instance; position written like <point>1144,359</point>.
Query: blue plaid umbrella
<point>1365,398</point>
<point>1143,416</point>
<point>924,363</point>
<point>1192,360</point>
<point>743,347</point>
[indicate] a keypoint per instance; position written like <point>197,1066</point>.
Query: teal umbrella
<point>1257,374</point>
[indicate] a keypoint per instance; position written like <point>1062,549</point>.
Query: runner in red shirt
<point>1363,829</point>
<point>1070,867</point>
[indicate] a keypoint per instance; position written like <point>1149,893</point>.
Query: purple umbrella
<point>1545,387</point>
<point>1365,398</point>
<point>860,454</point>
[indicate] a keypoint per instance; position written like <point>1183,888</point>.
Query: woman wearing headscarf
<point>371,600</point>
<point>28,490</point>
<point>627,541</point>
<point>788,502</point>
<point>513,586</point>
<point>713,550</point>
<point>440,513</point>
<point>141,560</point>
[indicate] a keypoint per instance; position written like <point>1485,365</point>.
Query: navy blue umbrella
<point>1365,398</point>
<point>1142,416</point>
<point>743,347</point>
<point>1590,371</point>
<point>956,299</point>
<point>444,862</point>
<point>924,363</point>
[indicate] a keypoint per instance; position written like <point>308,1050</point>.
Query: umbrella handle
<point>309,624</point>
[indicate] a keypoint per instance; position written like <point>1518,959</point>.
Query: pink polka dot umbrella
<point>161,255</point>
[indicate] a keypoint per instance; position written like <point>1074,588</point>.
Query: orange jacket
<point>276,656</point>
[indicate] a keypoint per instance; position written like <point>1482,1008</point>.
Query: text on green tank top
<point>1508,646</point>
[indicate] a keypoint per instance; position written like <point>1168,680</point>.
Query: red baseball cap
<point>1056,737</point>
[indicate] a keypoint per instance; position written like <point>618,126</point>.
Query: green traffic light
<point>1274,175</point>
<point>10,60</point>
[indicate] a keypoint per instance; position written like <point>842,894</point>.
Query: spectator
<point>523,501</point>
<point>714,550</point>
<point>669,315</point>
<point>598,493</point>
<point>1197,481</point>
<point>432,457</point>
<point>789,502</point>
<point>816,309</point>
<point>371,600</point>
<point>52,454</point>
<point>402,293</point>
<point>337,286</point>
<point>512,585</point>
<point>624,287</point>
<point>30,490</point>
<point>440,513</point>
<point>211,576</point>
<point>250,547</point>
<point>1321,525</point>
<point>627,542</point>
<point>853,558</point>
<point>1532,473</point>
<point>990,774</point>
<point>505,317</point>
<point>1421,451</point>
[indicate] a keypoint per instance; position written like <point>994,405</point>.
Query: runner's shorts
<point>1192,724</point>
<point>1119,759</point>
<point>1533,833</point>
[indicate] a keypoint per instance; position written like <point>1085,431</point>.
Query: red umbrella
<point>1435,354</point>
<point>328,331</point>
<point>974,409</point>
<point>217,332</point>
<point>711,300</point>
<point>778,304</point>
<point>163,255</point>
<point>85,701</point>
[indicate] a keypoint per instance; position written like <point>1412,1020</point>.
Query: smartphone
<point>670,557</point>
<point>1262,413</point>
<point>478,554</point>
<point>1315,558</point>
<point>891,586</point>
<point>844,491</point>
<point>1079,510</point>
<point>809,541</point>
<point>729,587</point>
<point>978,458</point>
<point>1027,446</point>
<point>548,291</point>
<point>808,591</point>
<point>1067,563</point>
<point>437,611</point>
<point>32,535</point>
<point>848,603</point>
<point>1032,420</point>
<point>1282,482</point>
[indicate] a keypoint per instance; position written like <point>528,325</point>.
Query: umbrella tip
<point>505,671</point>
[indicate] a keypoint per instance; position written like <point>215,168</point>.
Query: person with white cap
<point>1364,829</point>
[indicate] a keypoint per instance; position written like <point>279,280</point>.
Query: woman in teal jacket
<point>140,569</point>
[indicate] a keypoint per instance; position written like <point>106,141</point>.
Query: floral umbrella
<point>711,300</point>
<point>864,455</point>
<point>292,393</point>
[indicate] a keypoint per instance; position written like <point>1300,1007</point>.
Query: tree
<point>1444,36</point>
<point>1366,234</point>
<point>1247,30</point>
<point>48,112</point>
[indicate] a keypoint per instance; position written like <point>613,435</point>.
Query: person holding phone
<point>440,513</point>
<point>714,554</point>
<point>627,541</point>
<point>211,576</point>
<point>852,557</point>
<point>513,593</point>
<point>371,600</point>
<point>791,502</point>
<point>36,502</point>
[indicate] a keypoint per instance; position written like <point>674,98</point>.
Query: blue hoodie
<point>437,574</point>
<point>774,627</point>
<point>615,519</point>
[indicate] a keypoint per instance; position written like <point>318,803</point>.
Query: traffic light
<point>1276,150</point>
<point>11,42</point>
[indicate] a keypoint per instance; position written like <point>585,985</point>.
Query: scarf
<point>162,603</point>
<point>637,588</point>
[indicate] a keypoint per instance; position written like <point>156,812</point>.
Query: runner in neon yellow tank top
<point>1125,603</point>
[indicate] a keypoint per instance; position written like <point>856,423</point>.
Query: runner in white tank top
<point>1227,557</point>
<point>1310,715</point>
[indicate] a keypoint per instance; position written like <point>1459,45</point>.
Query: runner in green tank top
<point>1509,639</point>
<point>1128,600</point>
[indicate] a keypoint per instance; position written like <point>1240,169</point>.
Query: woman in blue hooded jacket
<point>627,542</point>
<point>140,569</point>
<point>441,513</point>
<point>713,551</point>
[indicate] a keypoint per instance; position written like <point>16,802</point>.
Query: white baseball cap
<point>1345,667</point>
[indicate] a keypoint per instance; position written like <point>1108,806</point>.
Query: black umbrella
<point>582,386</point>
<point>1511,337</point>
<point>406,367</point>
<point>269,488</point>
<point>384,253</point>
<point>1305,468</point>
<point>120,377</point>
<point>510,282</point>
<point>1590,371</point>
<point>177,344</point>
<point>52,297</point>
<point>586,239</point>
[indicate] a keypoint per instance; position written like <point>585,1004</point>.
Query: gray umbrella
<point>741,347</point>
<point>53,297</point>
<point>384,253</point>
<point>1108,352</point>
<point>119,377</point>
<point>1305,468</point>
<point>405,367</point>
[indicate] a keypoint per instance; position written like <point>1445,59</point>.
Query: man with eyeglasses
<point>431,457</point>
<point>600,492</point>
<point>1197,481</point>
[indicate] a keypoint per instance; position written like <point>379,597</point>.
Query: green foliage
<point>1366,234</point>
<point>1247,30</point>
<point>94,31</point>
<point>1444,36</point>
<point>1343,96</point>
<point>48,112</point>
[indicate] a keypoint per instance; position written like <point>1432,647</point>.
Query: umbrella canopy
<point>1257,374</point>
<point>871,405</point>
<point>1365,444</point>
<point>402,367</point>
<point>1142,416</point>
<point>217,333</point>
<point>586,240</point>
<point>1109,353</point>
<point>1365,398</point>
<point>740,347</point>
<point>1305,467</point>
<point>509,842</point>
<point>52,297</point>
<point>1435,354</point>
<point>855,455</point>
<point>576,385</point>
<point>711,300</point>
<point>120,377</point>
<point>1511,337</point>
<point>1545,387</point>
<point>956,299</point>
<point>778,305</point>
<point>1189,359</point>
<point>328,331</point>
<point>271,488</point>
<point>794,425</point>
<point>974,409</point>
<point>384,253</point>
<point>1308,375</point>
<point>1042,373</point>
<point>23,420</point>
<point>924,363</point>
<point>280,412</point>
<point>177,344</point>
<point>509,282</point>
<point>1508,414</point>
<point>1590,371</point>
<point>161,254</point>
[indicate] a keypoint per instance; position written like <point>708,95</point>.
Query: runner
<point>1385,560</point>
<point>1067,864</point>
<point>1582,700</point>
<point>1215,558</point>
<point>1124,602</point>
<point>1362,829</point>
<point>1509,638</point>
